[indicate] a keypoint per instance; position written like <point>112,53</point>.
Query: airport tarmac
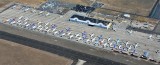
<point>62,21</point>
<point>68,45</point>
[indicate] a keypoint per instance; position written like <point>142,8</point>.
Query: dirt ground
<point>15,54</point>
<point>82,2</point>
<point>33,3</point>
<point>141,7</point>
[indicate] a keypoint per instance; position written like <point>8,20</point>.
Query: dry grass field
<point>29,2</point>
<point>15,54</point>
<point>82,2</point>
<point>141,7</point>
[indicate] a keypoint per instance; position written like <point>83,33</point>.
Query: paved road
<point>67,48</point>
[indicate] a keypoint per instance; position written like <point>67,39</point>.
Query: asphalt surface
<point>74,55</point>
<point>156,11</point>
<point>66,48</point>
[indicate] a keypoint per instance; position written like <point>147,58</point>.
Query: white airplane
<point>91,35</point>
<point>27,25</point>
<point>150,37</point>
<point>63,34</point>
<point>77,35</point>
<point>13,22</point>
<point>56,32</point>
<point>18,21</point>
<point>80,38</point>
<point>69,33</point>
<point>130,48</point>
<point>34,27</point>
<point>93,39</point>
<point>111,45</point>
<point>54,29</point>
<point>71,36</point>
<point>14,6</point>
<point>46,28</point>
<point>106,45</point>
<point>33,11</point>
<point>108,39</point>
<point>137,44</point>
<point>8,20</point>
<point>47,14</point>
<point>40,29</point>
<point>20,17</point>
<point>88,41</point>
<point>46,24</point>
<point>39,23</point>
<point>26,9</point>
<point>48,31</point>
<point>120,47</point>
<point>41,12</point>
<point>103,40</point>
<point>26,19</point>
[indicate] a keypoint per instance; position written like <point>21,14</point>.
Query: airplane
<point>84,37</point>
<point>13,22</point>
<point>26,19</point>
<point>69,33</point>
<point>93,39</point>
<point>71,36</point>
<point>80,38</point>
<point>106,45</point>
<point>91,35</point>
<point>39,27</point>
<point>63,34</point>
<point>127,44</point>
<point>18,21</point>
<point>145,55</point>
<point>100,37</point>
<point>61,31</point>
<point>137,44</point>
<point>46,28</point>
<point>53,26</point>
<point>26,9</point>
<point>118,40</point>
<point>102,41</point>
<point>108,39</point>
<point>41,12</point>
<point>33,11</point>
<point>120,47</point>
<point>47,14</point>
<point>20,17</point>
<point>68,29</point>
<point>111,45</point>
<point>56,32</point>
<point>34,27</point>
<point>77,35</point>
<point>150,37</point>
<point>88,41</point>
<point>39,23</point>
<point>14,6</point>
<point>27,25</point>
<point>54,29</point>
<point>84,33</point>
